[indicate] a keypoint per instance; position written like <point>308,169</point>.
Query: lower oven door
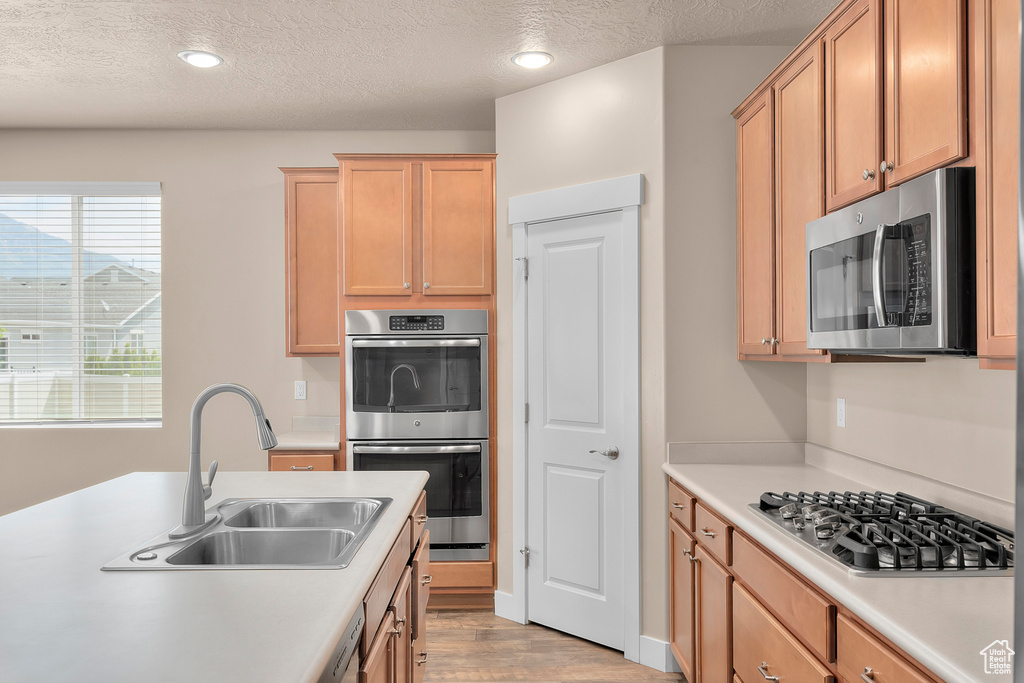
<point>458,490</point>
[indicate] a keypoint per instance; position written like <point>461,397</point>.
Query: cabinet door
<point>714,630</point>
<point>378,664</point>
<point>853,104</point>
<point>799,190</point>
<point>683,607</point>
<point>755,228</point>
<point>376,226</point>
<point>458,227</point>
<point>926,86</point>
<point>419,658</point>
<point>401,607</point>
<point>998,69</point>
<point>311,267</point>
<point>421,586</point>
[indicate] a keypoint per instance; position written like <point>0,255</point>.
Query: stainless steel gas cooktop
<point>891,534</point>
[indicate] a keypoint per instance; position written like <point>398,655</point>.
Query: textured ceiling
<point>322,64</point>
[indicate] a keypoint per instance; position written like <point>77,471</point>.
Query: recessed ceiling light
<point>533,60</point>
<point>199,58</point>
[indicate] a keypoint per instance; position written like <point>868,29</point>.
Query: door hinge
<point>526,418</point>
<point>526,266</point>
<point>525,552</point>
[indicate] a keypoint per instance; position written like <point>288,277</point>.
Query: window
<point>80,313</point>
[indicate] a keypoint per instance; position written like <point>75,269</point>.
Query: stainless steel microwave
<point>894,273</point>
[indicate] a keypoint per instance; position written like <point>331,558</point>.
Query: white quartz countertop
<point>61,618</point>
<point>307,441</point>
<point>943,622</point>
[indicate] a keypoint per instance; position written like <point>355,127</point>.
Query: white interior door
<point>575,357</point>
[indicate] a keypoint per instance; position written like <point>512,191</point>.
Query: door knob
<point>885,166</point>
<point>869,173</point>
<point>612,453</point>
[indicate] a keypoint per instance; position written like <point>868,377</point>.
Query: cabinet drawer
<point>803,611</point>
<point>858,651</point>
<point>301,462</point>
<point>418,519</point>
<point>377,599</point>
<point>421,581</point>
<point>680,505</point>
<point>713,533</point>
<point>759,640</point>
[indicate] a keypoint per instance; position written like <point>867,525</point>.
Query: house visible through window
<point>80,303</point>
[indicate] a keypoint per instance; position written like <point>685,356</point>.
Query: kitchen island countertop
<point>61,618</point>
<point>942,621</point>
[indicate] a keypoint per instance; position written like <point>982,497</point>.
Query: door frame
<point>625,195</point>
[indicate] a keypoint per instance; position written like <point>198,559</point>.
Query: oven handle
<point>412,343</point>
<point>876,275</point>
<point>417,449</point>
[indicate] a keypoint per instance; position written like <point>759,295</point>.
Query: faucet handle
<point>208,489</point>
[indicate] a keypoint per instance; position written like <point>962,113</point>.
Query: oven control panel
<point>416,322</point>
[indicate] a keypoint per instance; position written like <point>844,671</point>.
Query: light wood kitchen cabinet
<point>763,647</point>
<point>417,224</point>
<point>421,579</point>
<point>996,70</point>
<point>311,264</point>
<point>861,655</point>
<point>755,229</point>
<point>682,591</point>
<point>302,461</point>
<point>714,619</point>
<point>378,664</point>
<point>896,97</point>
<point>680,505</point>
<point>401,609</point>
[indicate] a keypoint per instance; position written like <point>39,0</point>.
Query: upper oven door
<point>416,388</point>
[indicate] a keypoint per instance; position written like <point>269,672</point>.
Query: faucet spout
<point>415,383</point>
<point>193,514</point>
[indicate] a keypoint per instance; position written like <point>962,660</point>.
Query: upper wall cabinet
<point>780,187</point>
<point>896,94</point>
<point>311,266</point>
<point>417,225</point>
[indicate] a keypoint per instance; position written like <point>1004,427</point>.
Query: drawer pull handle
<point>707,533</point>
<point>761,670</point>
<point>868,676</point>
<point>678,506</point>
<point>424,660</point>
<point>421,519</point>
<point>307,468</point>
<point>400,621</point>
<point>397,632</point>
<point>426,579</point>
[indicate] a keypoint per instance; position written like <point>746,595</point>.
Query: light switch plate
<point>300,390</point>
<point>840,412</point>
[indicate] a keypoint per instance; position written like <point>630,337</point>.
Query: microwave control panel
<point>429,323</point>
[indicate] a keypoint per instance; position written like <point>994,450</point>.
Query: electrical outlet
<point>300,390</point>
<point>840,412</point>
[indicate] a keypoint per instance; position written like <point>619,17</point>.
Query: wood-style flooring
<point>475,645</point>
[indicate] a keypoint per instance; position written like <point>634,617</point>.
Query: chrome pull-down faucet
<point>193,514</point>
<point>415,382</point>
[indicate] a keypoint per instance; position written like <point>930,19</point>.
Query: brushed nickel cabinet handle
<point>869,173</point>
<point>868,676</point>
<point>710,534</point>
<point>426,285</point>
<point>678,506</point>
<point>424,660</point>
<point>885,166</point>
<point>764,340</point>
<point>426,580</point>
<point>762,670</point>
<point>296,468</point>
<point>421,519</point>
<point>406,285</point>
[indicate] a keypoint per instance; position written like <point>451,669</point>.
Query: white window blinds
<point>80,331</point>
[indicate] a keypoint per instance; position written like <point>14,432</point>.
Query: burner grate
<point>890,532</point>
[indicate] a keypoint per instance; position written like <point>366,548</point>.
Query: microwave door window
<point>418,379</point>
<point>841,293</point>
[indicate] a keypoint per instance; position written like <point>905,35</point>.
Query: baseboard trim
<point>505,607</point>
<point>656,654</point>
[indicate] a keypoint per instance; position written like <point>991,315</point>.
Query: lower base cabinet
<point>394,640</point>
<point>740,614</point>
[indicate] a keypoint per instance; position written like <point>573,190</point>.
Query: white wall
<point>666,114</point>
<point>223,291</point>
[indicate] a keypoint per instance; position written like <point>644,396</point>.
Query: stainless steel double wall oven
<point>417,399</point>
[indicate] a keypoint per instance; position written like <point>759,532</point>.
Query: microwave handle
<point>412,343</point>
<point>417,449</point>
<point>877,283</point>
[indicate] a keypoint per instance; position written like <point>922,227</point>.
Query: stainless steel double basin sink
<point>266,533</point>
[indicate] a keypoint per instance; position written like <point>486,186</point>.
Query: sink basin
<point>273,547</point>
<point>319,514</point>
<point>266,533</point>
